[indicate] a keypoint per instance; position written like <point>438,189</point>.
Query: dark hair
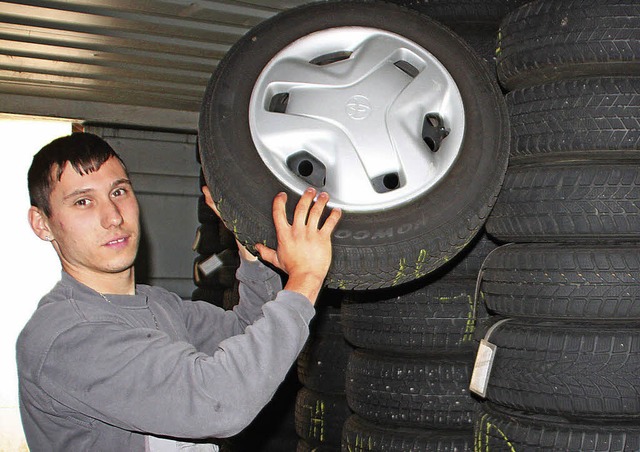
<point>85,152</point>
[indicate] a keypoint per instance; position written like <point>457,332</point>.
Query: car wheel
<point>389,112</point>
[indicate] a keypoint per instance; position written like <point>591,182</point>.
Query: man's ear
<point>40,224</point>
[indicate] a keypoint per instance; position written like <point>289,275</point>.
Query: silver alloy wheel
<point>364,114</point>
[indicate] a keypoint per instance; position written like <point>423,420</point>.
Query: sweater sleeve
<point>140,380</point>
<point>207,325</point>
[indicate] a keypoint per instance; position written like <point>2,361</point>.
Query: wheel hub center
<point>358,107</point>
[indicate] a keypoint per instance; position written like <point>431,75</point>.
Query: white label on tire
<point>482,368</point>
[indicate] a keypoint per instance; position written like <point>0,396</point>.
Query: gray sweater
<point>100,376</point>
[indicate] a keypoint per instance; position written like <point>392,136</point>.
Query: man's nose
<point>111,215</point>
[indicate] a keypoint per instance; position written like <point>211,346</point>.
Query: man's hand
<point>304,248</point>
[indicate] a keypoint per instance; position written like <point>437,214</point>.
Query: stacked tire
<point>565,371</point>
<point>321,405</point>
<point>408,376</point>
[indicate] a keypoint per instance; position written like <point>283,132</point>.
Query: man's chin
<point>120,267</point>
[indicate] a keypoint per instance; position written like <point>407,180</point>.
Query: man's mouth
<point>116,241</point>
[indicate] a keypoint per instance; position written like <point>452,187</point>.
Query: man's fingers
<point>306,214</point>
<point>302,240</point>
<point>331,221</point>
<point>317,209</point>
<point>267,254</point>
<point>302,208</point>
<point>280,211</point>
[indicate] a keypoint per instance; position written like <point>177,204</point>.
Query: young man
<point>107,365</point>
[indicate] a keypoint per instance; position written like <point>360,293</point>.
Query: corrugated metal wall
<point>143,62</point>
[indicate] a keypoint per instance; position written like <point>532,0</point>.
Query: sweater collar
<point>80,291</point>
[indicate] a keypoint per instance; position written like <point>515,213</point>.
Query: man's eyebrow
<point>122,181</point>
<point>78,192</point>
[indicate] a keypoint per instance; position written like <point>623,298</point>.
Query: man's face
<point>94,221</point>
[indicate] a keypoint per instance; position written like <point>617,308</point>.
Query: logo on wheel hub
<point>358,107</point>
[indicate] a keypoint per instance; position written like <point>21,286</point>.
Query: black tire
<point>208,240</point>
<point>550,281</point>
<point>489,12</point>
<point>465,265</point>
<point>436,318</point>
<point>231,296</point>
<point>498,429</point>
<point>359,435</point>
<point>328,318</point>
<point>567,369</point>
<point>322,363</point>
<point>206,215</point>
<point>476,21</point>
<point>224,298</point>
<point>569,201</point>
<point>426,392</point>
<point>320,417</point>
<point>575,119</point>
<point>215,236</point>
<point>213,296</point>
<point>548,40</point>
<point>379,248</point>
<point>481,38</point>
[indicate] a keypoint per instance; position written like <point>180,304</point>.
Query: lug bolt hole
<point>391,181</point>
<point>305,168</point>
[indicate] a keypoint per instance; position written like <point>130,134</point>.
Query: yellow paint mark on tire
<point>422,258</point>
<point>402,268</point>
<point>478,446</point>
<point>316,425</point>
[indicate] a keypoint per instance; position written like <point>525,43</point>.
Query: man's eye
<point>119,192</point>
<point>82,202</point>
